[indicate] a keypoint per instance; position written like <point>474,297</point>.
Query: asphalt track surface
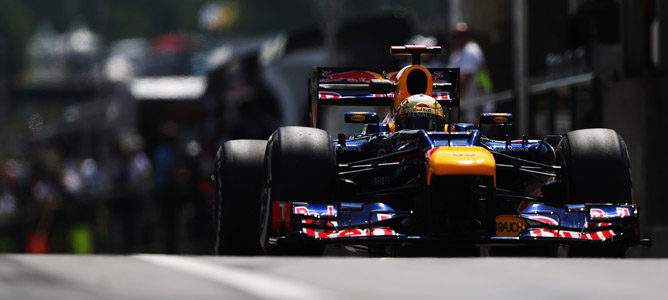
<point>148,276</point>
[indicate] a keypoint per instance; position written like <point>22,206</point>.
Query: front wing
<point>379,224</point>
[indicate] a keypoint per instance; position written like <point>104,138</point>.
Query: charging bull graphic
<point>349,76</point>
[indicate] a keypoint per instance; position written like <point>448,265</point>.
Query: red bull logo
<point>328,95</point>
<point>544,219</point>
<point>438,76</point>
<point>349,76</point>
<point>598,213</point>
<point>393,76</point>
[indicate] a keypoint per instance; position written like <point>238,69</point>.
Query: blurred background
<point>111,111</point>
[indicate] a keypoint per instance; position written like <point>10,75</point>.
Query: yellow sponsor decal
<point>507,225</point>
<point>357,118</point>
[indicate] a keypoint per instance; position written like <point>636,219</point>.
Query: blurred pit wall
<point>635,104</point>
<point>628,90</point>
<point>634,107</point>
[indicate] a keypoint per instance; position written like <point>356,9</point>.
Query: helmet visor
<point>426,123</point>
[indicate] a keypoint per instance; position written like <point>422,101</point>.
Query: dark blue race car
<point>419,182</point>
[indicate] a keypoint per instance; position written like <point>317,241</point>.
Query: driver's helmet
<point>420,112</point>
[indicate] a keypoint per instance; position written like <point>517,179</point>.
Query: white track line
<point>258,284</point>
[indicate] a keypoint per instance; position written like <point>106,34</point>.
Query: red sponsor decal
<point>350,232</point>
<point>350,76</point>
<point>321,233</point>
<point>381,232</point>
<point>544,219</point>
<point>596,213</point>
<point>411,47</point>
<point>330,211</point>
<point>623,212</point>
<point>599,235</point>
<point>440,95</point>
<point>301,210</point>
<point>542,233</point>
<point>280,214</point>
<point>328,95</point>
<point>333,234</point>
<point>309,231</point>
<point>382,217</point>
<point>598,224</point>
<point>438,76</point>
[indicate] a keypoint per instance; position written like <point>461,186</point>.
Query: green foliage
<point>16,25</point>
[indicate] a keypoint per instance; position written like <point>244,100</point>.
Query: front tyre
<point>596,169</point>
<point>300,166</point>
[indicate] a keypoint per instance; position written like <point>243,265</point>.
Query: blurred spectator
<point>131,207</point>
<point>139,166</point>
<point>168,176</point>
<point>60,59</point>
<point>8,212</point>
<point>171,54</point>
<point>46,199</point>
<point>126,59</point>
<point>468,57</point>
<point>90,175</point>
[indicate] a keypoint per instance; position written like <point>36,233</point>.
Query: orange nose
<point>460,161</point>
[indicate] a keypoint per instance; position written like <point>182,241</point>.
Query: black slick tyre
<point>238,180</point>
<point>300,166</point>
<point>596,169</point>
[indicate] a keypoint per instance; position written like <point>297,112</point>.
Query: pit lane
<point>206,277</point>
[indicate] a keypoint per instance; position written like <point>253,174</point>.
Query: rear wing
<point>350,87</point>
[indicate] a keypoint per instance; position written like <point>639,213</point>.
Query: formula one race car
<point>419,181</point>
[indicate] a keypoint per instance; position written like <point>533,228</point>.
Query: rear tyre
<point>596,169</point>
<point>300,166</point>
<point>238,180</point>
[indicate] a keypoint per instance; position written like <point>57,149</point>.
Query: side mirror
<point>381,86</point>
<point>361,117</point>
<point>496,125</point>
